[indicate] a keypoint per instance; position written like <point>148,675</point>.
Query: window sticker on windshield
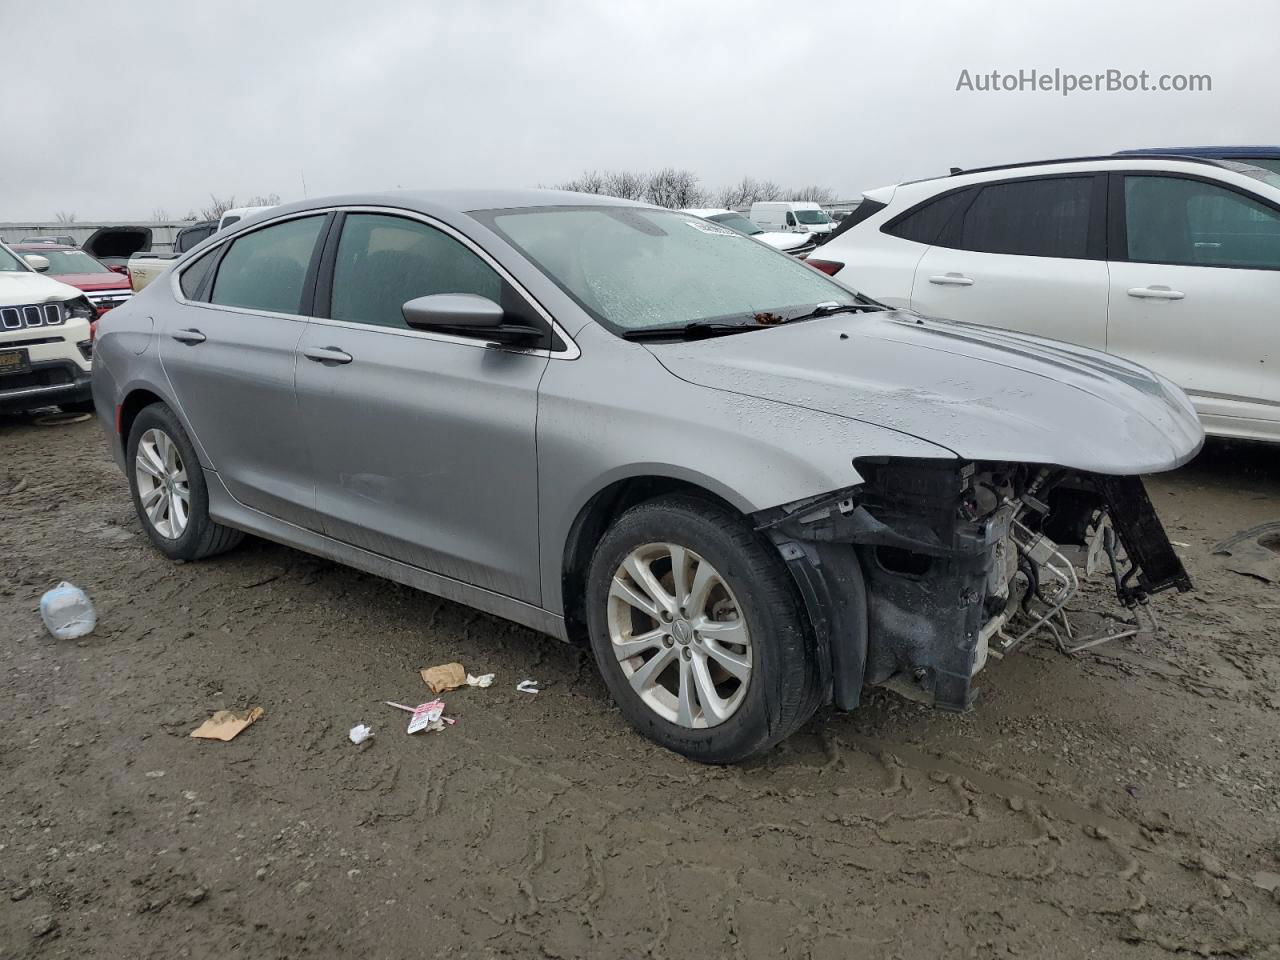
<point>712,228</point>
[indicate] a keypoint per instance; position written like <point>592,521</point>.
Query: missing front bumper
<point>910,576</point>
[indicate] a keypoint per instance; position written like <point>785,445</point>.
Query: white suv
<point>46,339</point>
<point>1170,262</point>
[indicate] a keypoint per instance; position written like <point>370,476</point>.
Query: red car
<point>104,287</point>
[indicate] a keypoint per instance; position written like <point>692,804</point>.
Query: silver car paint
<point>738,416</point>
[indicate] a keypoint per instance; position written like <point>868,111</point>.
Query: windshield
<point>62,262</point>
<point>812,216</point>
<point>634,268</point>
<point>1256,169</point>
<point>9,262</point>
<point>736,221</point>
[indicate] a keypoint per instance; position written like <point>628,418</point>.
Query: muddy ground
<point>1123,804</point>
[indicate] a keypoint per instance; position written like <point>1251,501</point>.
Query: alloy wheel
<point>679,634</point>
<point>163,487</point>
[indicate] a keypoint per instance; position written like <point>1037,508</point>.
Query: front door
<point>1195,280</point>
<point>424,444</point>
<point>230,353</point>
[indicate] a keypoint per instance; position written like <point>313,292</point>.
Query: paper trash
<point>226,724</point>
<point>447,676</point>
<point>485,680</point>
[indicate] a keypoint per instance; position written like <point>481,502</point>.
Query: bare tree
<point>813,192</point>
<point>159,213</point>
<point>217,207</point>
<point>747,191</point>
<point>264,200</point>
<point>589,182</point>
<point>66,216</point>
<point>674,188</point>
<point>625,184</point>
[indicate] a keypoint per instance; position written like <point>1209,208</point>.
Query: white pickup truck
<point>46,338</point>
<point>145,267</point>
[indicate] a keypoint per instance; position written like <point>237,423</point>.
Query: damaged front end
<point>917,575</point>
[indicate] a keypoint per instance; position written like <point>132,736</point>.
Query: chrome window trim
<point>569,352</point>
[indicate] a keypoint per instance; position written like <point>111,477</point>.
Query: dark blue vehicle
<point>1259,156</point>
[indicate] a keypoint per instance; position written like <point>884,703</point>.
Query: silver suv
<point>749,487</point>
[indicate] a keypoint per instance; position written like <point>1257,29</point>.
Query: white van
<point>792,216</point>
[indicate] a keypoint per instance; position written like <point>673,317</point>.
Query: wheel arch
<point>594,518</point>
<point>134,402</point>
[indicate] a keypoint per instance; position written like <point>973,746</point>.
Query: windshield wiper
<point>697,330</point>
<point>827,309</point>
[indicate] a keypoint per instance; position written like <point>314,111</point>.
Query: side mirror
<point>467,315</point>
<point>118,268</point>
<point>36,262</point>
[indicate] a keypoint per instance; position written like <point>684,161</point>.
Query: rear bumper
<point>50,382</point>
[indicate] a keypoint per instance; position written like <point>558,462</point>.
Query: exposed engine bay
<point>916,577</point>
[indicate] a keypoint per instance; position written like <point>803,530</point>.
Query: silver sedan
<point>749,487</point>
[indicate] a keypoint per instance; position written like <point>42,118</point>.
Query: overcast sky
<point>115,110</point>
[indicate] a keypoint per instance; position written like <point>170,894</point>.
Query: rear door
<point>1026,255</point>
<point>229,352</point>
<point>424,443</point>
<point>1195,283</point>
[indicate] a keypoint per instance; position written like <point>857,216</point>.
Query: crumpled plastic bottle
<point>68,612</point>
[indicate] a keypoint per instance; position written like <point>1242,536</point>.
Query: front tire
<point>698,631</point>
<point>169,492</point>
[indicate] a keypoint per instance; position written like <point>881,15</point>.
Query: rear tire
<point>675,666</point>
<point>169,492</point>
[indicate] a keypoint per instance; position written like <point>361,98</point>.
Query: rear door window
<point>267,269</point>
<point>1189,222</point>
<point>1046,217</point>
<point>385,261</point>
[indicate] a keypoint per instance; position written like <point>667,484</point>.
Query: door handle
<point>189,336</point>
<point>327,355</point>
<point>951,280</point>
<point>1157,292</point>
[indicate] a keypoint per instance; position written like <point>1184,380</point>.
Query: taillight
<point>829,267</point>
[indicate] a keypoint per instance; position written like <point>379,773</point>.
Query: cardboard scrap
<point>226,724</point>
<point>447,676</point>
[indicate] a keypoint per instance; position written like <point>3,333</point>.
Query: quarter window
<point>1032,218</point>
<point>267,269</point>
<point>1181,221</point>
<point>193,276</point>
<point>385,261</point>
<point>926,224</point>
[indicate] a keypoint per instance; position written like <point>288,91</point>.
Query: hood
<point>22,288</point>
<point>984,394</point>
<point>96,281</point>
<point>783,241</point>
<point>117,243</point>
